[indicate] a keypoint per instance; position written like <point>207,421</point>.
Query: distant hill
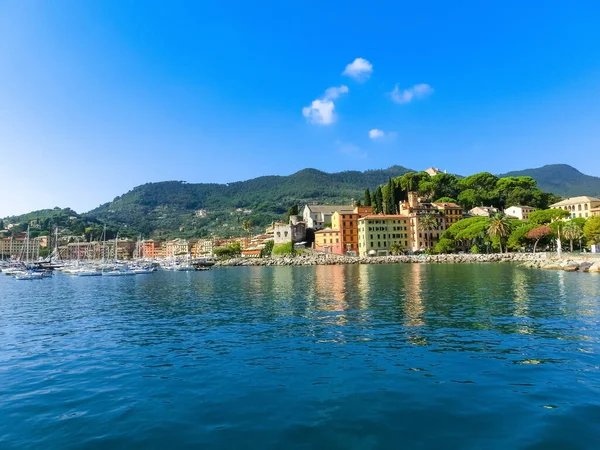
<point>172,205</point>
<point>561,179</point>
<point>177,208</point>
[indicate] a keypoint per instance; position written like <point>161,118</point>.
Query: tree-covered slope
<point>561,179</point>
<point>171,205</point>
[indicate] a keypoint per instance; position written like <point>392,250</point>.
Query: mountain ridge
<point>159,208</point>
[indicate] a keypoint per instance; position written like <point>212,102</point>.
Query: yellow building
<point>582,206</point>
<point>202,247</point>
<point>328,241</point>
<point>377,234</point>
<point>177,247</point>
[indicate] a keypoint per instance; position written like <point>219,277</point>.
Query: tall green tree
<point>378,200</point>
<point>571,231</point>
<point>292,211</point>
<point>499,228</point>
<point>545,216</point>
<point>591,229</point>
<point>390,200</point>
<point>368,201</point>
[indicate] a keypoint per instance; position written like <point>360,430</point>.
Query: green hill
<point>172,205</point>
<point>561,179</point>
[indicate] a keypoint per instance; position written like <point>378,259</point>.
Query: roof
<point>384,216</point>
<point>521,206</point>
<point>447,205</point>
<point>485,208</point>
<point>576,200</point>
<point>330,209</point>
<point>327,230</point>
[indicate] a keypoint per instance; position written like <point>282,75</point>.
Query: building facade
<point>519,212</point>
<point>316,216</point>
<point>20,248</point>
<point>293,231</point>
<point>347,225</point>
<point>177,247</point>
<point>379,234</point>
<point>582,206</point>
<point>428,220</point>
<point>328,241</point>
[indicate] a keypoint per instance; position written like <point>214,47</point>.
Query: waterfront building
<point>378,234</point>
<point>316,216</point>
<point>203,247</point>
<point>147,249</point>
<point>519,212</point>
<point>327,240</point>
<point>582,206</point>
<point>160,249</point>
<point>177,247</point>
<point>19,247</point>
<point>293,231</point>
<point>441,216</point>
<point>483,211</point>
<point>595,212</point>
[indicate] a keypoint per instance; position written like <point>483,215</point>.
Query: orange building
<point>347,225</point>
<point>148,249</point>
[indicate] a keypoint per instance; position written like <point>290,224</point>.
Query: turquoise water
<point>353,357</point>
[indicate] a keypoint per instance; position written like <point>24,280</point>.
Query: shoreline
<point>530,260</point>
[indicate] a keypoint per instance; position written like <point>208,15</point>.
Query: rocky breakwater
<point>313,260</point>
<point>568,265</point>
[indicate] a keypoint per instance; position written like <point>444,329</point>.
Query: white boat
<point>87,273</point>
<point>142,271</point>
<point>117,273</point>
<point>29,276</point>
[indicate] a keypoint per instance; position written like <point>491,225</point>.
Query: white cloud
<point>360,69</point>
<point>334,92</point>
<point>376,134</point>
<point>322,110</point>
<point>407,95</point>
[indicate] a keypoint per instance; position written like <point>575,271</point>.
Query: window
<point>379,244</point>
<point>586,207</point>
<point>337,241</point>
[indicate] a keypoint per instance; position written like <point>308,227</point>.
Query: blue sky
<point>97,97</point>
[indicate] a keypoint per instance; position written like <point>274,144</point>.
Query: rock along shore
<point>313,260</point>
<point>537,260</point>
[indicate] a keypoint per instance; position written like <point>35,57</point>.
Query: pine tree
<point>368,201</point>
<point>378,200</point>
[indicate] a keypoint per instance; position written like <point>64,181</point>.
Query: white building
<point>519,212</point>
<point>316,216</point>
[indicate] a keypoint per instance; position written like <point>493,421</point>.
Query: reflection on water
<point>309,357</point>
<point>413,300</point>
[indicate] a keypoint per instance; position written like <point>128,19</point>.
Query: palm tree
<point>247,225</point>
<point>396,248</point>
<point>572,232</point>
<point>499,227</point>
<point>427,223</point>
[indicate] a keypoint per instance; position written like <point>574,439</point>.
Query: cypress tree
<point>368,201</point>
<point>378,200</point>
<point>391,197</point>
